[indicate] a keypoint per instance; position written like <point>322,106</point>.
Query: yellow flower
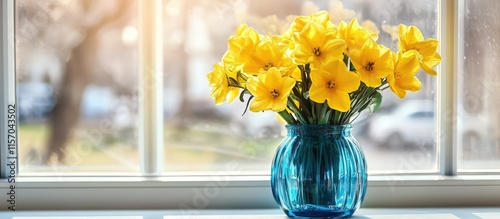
<point>315,45</point>
<point>245,40</point>
<point>242,44</point>
<point>229,60</point>
<point>270,90</point>
<point>403,79</point>
<point>410,38</point>
<point>218,80</point>
<point>372,62</point>
<point>321,17</point>
<point>333,83</point>
<point>270,52</point>
<point>296,74</point>
<point>354,35</point>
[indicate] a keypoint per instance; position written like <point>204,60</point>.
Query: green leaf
<point>248,104</point>
<point>243,92</point>
<point>301,67</point>
<point>232,81</point>
<point>240,76</point>
<point>306,95</point>
<point>375,102</point>
<point>307,67</point>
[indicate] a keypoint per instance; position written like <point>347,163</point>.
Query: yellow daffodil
<point>333,84</point>
<point>229,60</point>
<point>296,74</point>
<point>403,79</point>
<point>315,45</point>
<point>321,17</point>
<point>354,35</point>
<point>270,52</point>
<point>302,74</point>
<point>218,80</point>
<point>410,38</point>
<point>270,90</point>
<point>373,63</point>
<point>242,44</point>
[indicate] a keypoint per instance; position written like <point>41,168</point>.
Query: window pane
<point>479,116</point>
<point>200,136</point>
<point>76,67</point>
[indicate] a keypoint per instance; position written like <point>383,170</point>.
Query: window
<point>76,71</point>
<point>79,97</point>
<point>100,119</point>
<point>478,126</point>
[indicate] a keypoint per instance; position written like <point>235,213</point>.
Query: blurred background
<point>77,75</point>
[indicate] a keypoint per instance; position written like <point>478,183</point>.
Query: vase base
<point>319,213</point>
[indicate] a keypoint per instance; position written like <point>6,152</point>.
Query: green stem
<point>296,110</point>
<point>361,98</point>
<point>287,117</point>
<point>237,86</point>
<point>324,114</point>
<point>303,103</point>
<point>313,111</point>
<point>383,88</point>
<point>326,118</point>
<point>318,112</point>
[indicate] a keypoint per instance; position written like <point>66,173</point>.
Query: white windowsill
<point>365,213</point>
<point>237,192</point>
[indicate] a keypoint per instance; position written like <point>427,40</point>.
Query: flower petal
<point>339,101</point>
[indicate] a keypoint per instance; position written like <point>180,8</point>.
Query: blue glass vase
<point>319,171</point>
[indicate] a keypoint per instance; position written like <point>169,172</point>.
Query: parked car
<point>412,122</point>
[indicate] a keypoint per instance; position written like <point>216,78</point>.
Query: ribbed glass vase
<point>319,171</point>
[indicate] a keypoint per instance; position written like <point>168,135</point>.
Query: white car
<point>412,122</point>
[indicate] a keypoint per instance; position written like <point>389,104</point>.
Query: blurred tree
<point>70,32</point>
<point>77,74</point>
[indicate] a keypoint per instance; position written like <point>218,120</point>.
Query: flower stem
<point>287,117</point>
<point>296,111</point>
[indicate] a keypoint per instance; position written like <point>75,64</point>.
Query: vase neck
<point>343,130</point>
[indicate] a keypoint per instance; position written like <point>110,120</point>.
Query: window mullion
<point>450,25</point>
<point>151,87</point>
<point>8,152</point>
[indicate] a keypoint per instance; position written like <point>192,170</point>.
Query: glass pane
<point>479,116</point>
<point>76,67</point>
<point>200,136</point>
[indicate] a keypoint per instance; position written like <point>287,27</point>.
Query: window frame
<point>227,190</point>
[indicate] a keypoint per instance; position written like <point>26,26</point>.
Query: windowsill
<point>365,213</point>
<point>237,192</point>
<point>241,180</point>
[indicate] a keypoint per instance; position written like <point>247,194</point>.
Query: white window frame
<point>224,190</point>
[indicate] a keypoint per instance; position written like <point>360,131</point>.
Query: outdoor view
<point>76,70</point>
<point>77,74</point>
<point>478,113</point>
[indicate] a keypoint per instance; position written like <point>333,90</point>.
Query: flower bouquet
<point>318,77</point>
<point>320,73</point>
